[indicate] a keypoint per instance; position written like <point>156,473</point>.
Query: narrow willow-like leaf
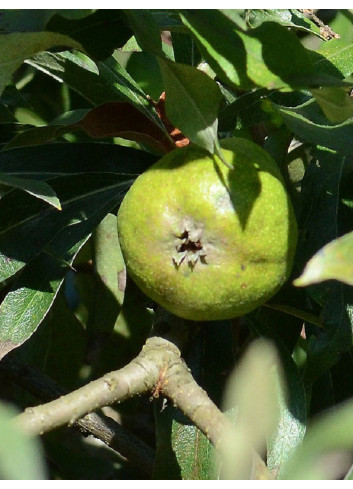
<point>83,177</point>
<point>291,427</point>
<point>192,102</point>
<point>41,190</point>
<point>32,295</point>
<point>333,261</point>
<point>106,81</point>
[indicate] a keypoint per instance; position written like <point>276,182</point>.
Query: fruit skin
<point>208,242</point>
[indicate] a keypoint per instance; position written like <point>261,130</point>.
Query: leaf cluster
<point>89,99</point>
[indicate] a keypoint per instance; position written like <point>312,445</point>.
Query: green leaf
<point>335,102</point>
<point>15,48</point>
<point>185,49</point>
<point>192,102</point>
<point>333,261</point>
<point>32,295</point>
<point>181,448</point>
<point>21,456</point>
<point>41,190</point>
<point>183,452</point>
<point>227,59</point>
<point>110,273</point>
<point>58,347</point>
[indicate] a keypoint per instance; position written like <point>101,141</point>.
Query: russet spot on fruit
<point>205,241</point>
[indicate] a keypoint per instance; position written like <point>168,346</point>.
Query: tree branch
<point>127,446</point>
<point>158,369</point>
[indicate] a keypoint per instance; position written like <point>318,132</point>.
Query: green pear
<point>206,240</point>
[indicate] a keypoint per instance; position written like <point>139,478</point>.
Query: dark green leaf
<point>41,190</point>
<point>95,175</point>
<point>146,30</point>
<point>321,208</point>
<point>183,452</point>
<point>185,49</point>
<point>32,295</point>
<point>99,33</point>
<point>106,81</point>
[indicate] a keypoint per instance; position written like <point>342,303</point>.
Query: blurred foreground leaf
<point>20,455</point>
<point>325,450</point>
<point>252,391</point>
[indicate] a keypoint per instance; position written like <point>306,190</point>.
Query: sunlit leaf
<point>333,261</point>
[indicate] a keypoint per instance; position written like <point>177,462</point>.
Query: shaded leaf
<point>99,33</point>
<point>112,119</point>
<point>268,56</point>
<point>32,295</point>
<point>321,213</point>
<point>146,30</point>
<point>308,122</point>
<point>335,102</point>
<point>183,452</point>
<point>106,81</point>
<point>41,190</point>
<point>124,120</point>
<point>81,191</point>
